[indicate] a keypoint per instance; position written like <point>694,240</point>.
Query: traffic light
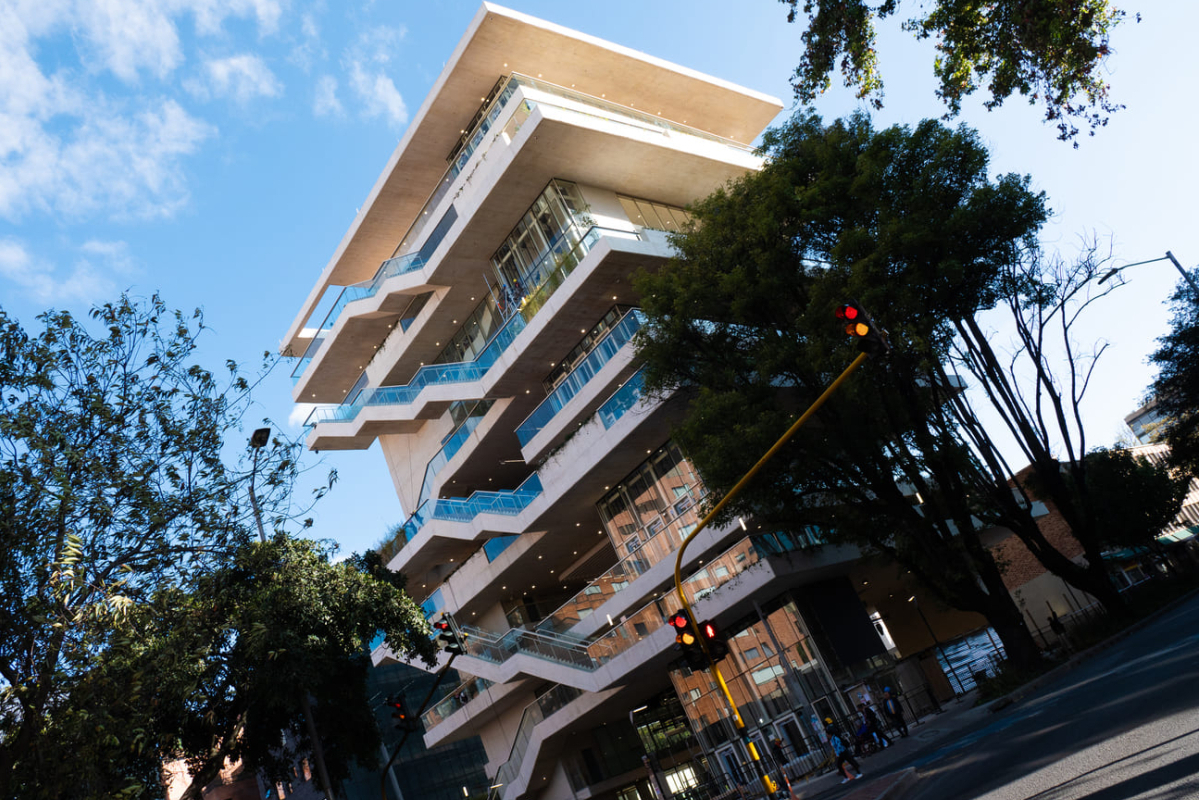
<point>871,338</point>
<point>684,640</point>
<point>405,720</point>
<point>448,635</point>
<point>718,648</point>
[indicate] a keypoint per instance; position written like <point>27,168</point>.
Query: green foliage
<point>1131,500</point>
<point>1176,387</point>
<point>907,222</point>
<point>241,650</point>
<point>1050,51</point>
<point>139,617</point>
<point>111,486</point>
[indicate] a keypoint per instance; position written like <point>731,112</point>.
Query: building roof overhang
<point>498,42</point>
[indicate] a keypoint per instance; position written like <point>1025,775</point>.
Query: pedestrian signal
<point>718,648</point>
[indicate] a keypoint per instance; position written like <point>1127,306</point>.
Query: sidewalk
<point>885,776</point>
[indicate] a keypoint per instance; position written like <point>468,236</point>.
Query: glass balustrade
<point>659,546</point>
<point>309,353</point>
<point>622,400</point>
<point>464,371</point>
<point>455,699</point>
<point>508,503</point>
<point>620,335</point>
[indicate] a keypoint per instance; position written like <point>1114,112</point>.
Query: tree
<point>239,656</point>
<point>1132,500</point>
<point>120,521</point>
<point>907,222</point>
<point>1176,387</point>
<point>111,486</point>
<point>1050,51</point>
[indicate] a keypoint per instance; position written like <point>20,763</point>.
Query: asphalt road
<point>1124,724</point>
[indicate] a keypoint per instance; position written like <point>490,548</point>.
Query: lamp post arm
<point>1185,275</point>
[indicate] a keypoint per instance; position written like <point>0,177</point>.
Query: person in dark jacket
<point>871,727</point>
<point>894,711</point>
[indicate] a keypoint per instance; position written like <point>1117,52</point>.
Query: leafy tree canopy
<point>139,618</point>
<point>1131,499</point>
<point>906,221</point>
<point>1176,387</point>
<point>1050,51</point>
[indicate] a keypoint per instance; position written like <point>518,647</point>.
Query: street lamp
<point>1115,270</point>
<point>258,441</point>
<point>937,644</point>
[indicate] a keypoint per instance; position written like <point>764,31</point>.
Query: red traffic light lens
<point>680,621</point>
<point>708,630</point>
<point>848,312</point>
<point>442,625</point>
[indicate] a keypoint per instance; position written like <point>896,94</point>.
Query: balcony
<point>550,273</point>
<point>620,335</point>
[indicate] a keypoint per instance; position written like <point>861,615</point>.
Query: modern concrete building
<point>477,321</point>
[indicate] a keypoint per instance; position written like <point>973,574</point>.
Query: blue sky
<point>217,150</point>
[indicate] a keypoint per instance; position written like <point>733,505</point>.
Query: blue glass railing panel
<point>507,503</point>
<point>605,351</point>
<point>497,545</point>
<point>622,400</point>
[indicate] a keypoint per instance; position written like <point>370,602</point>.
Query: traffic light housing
<point>402,716</point>
<point>871,338</point>
<point>714,639</point>
<point>685,641</point>
<point>448,635</point>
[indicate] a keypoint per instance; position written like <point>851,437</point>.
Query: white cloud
<point>299,413</point>
<point>130,166</point>
<point>210,14</point>
<point>242,78</point>
<point>85,283</point>
<point>115,255</point>
<point>127,36</point>
<point>310,48</point>
<point>379,96</point>
<point>365,62</point>
<point>325,103</point>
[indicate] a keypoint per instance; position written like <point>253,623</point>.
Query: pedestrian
<point>871,725</point>
<point>780,758</point>
<point>894,712</point>
<point>841,750</point>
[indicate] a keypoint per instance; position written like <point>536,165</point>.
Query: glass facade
<point>662,488</point>
<point>440,773</point>
<point>777,677</point>
<point>658,216</point>
<point>553,224</point>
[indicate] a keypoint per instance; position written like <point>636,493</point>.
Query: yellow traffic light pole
<point>767,783</point>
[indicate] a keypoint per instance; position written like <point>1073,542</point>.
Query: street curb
<point>1078,658</point>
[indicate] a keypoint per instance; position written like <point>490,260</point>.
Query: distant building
<point>1144,422</point>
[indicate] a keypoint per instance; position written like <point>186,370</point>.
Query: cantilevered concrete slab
<point>499,42</point>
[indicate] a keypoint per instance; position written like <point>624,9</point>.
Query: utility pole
<point>258,440</point>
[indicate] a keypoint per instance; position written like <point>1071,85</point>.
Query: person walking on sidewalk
<point>894,712</point>
<point>870,726</point>
<point>842,751</point>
